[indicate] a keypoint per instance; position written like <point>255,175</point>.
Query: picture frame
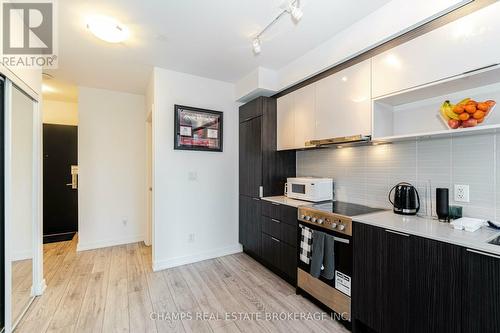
<point>198,129</point>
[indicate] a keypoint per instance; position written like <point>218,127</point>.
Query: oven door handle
<point>341,240</point>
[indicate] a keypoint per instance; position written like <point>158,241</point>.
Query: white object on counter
<point>468,224</point>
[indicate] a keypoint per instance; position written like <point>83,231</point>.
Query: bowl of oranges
<point>466,113</point>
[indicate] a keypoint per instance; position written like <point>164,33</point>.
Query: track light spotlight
<point>256,46</point>
<point>296,12</point>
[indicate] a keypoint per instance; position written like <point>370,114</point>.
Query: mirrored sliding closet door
<point>21,204</point>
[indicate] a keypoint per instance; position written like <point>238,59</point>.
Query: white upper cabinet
<point>304,111</point>
<point>461,46</point>
<point>343,103</point>
<point>339,105</point>
<point>286,123</point>
<point>296,120</point>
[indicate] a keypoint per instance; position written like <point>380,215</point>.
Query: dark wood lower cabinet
<point>481,292</point>
<point>435,289</point>
<point>289,262</point>
<point>280,256</point>
<point>395,282</point>
<point>271,250</point>
<point>367,277</point>
<point>268,232</point>
<point>279,239</point>
<point>403,283</point>
<point>250,225</point>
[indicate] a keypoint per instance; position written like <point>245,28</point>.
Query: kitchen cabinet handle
<point>275,203</point>
<point>275,239</point>
<point>483,253</point>
<point>256,199</point>
<point>277,221</point>
<point>397,233</point>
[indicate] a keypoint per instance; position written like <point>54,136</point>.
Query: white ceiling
<point>206,38</point>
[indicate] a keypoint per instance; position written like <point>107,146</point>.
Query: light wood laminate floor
<point>114,290</point>
<point>22,277</point>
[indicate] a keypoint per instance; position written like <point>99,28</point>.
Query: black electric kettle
<point>406,200</point>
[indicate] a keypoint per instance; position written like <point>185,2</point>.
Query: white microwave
<point>309,189</point>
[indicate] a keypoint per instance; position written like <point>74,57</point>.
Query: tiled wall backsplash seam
<point>365,174</point>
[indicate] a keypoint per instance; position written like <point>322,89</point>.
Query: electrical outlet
<point>191,238</point>
<point>193,176</point>
<point>462,193</point>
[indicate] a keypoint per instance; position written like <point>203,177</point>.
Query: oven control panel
<point>330,221</point>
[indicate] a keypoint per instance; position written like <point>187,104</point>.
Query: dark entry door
<point>60,198</point>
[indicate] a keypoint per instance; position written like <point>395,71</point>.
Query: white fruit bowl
<point>445,121</point>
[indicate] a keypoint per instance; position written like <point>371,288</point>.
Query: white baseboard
<point>38,291</point>
<point>107,243</point>
<point>184,260</point>
<point>22,255</point>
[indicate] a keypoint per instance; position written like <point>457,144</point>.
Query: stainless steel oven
<point>334,219</point>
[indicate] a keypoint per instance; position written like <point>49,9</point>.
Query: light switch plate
<point>462,193</point>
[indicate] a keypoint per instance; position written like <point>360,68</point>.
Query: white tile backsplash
<point>366,174</point>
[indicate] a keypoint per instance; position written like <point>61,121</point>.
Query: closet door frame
<point>38,285</point>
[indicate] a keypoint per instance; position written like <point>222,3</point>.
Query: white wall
<point>112,168</point>
<point>148,237</point>
<point>21,232</point>
<point>59,112</point>
<point>206,207</point>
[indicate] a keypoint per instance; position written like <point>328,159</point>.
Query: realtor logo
<point>28,33</point>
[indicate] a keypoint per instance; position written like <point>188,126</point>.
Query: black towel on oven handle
<point>318,247</point>
<point>329,258</point>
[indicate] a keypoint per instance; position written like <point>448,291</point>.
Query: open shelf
<point>414,113</point>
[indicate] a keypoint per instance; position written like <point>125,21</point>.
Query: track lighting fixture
<point>292,8</point>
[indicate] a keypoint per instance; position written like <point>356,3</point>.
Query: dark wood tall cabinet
<point>262,169</point>
<point>250,157</point>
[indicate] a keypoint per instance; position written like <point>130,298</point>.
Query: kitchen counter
<point>432,229</point>
<point>282,200</point>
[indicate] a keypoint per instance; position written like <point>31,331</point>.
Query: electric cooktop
<point>495,241</point>
<point>344,208</point>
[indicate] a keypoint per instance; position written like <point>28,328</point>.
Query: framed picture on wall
<point>197,129</point>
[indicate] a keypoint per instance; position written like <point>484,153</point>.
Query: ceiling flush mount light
<point>107,29</point>
<point>292,8</point>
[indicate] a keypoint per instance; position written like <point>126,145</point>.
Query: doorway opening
<point>60,161</point>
